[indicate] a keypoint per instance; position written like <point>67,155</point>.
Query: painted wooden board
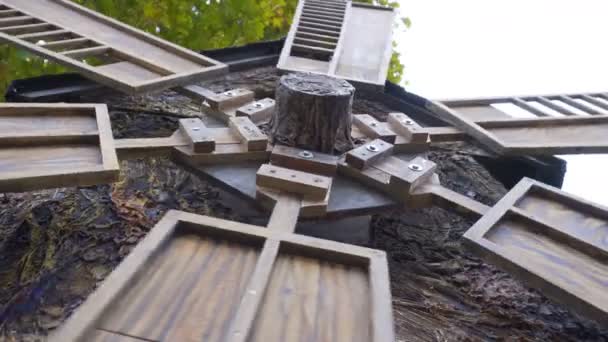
<point>342,39</point>
<point>552,241</point>
<point>198,278</point>
<point>55,145</point>
<point>546,135</point>
<point>101,48</point>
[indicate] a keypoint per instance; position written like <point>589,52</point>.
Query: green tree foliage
<point>195,24</point>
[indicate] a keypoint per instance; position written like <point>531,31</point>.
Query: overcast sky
<point>473,48</point>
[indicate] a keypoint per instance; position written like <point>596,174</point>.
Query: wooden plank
<point>69,19</point>
<point>223,280</point>
<point>533,136</point>
<point>230,99</point>
<point>250,134</point>
<point>408,128</point>
<point>308,185</point>
<point>285,213</point>
<point>55,145</point>
<point>201,140</point>
<point>303,160</point>
<point>552,241</point>
<point>369,153</point>
<point>258,111</point>
<point>406,176</point>
<point>373,128</point>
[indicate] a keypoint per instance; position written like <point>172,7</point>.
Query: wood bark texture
<point>313,112</point>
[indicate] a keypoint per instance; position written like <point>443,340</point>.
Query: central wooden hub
<point>313,112</point>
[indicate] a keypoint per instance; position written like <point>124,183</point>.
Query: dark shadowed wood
<point>313,112</point>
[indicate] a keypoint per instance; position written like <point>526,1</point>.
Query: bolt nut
<point>415,167</point>
<point>372,148</point>
<point>306,154</point>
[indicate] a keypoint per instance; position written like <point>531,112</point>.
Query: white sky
<point>475,48</point>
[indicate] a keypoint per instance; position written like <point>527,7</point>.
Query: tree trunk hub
<point>313,112</point>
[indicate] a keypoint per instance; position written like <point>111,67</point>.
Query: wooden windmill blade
<point>342,39</point>
<point>560,124</point>
<point>101,48</point>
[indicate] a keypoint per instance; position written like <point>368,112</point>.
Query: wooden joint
<point>249,133</point>
<point>373,128</point>
<point>230,99</point>
<point>303,160</point>
<point>199,136</point>
<point>369,153</point>
<point>308,185</point>
<point>257,111</point>
<point>408,128</point>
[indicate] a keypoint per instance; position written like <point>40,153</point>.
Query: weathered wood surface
<point>342,39</point>
<point>227,281</point>
<point>55,145</point>
<point>553,241</point>
<point>308,185</point>
<point>533,136</point>
<point>313,112</point>
<point>125,58</point>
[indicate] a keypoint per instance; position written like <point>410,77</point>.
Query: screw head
<point>372,148</point>
<point>306,155</point>
<point>273,171</point>
<point>373,124</point>
<point>229,93</point>
<point>408,122</point>
<point>40,42</point>
<point>258,105</point>
<point>415,167</point>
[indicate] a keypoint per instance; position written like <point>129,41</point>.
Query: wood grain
<point>188,292</point>
<point>312,300</point>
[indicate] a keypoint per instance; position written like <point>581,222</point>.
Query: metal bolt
<point>258,105</point>
<point>372,148</point>
<point>373,124</point>
<point>306,154</point>
<point>273,171</point>
<point>415,167</point>
<point>318,180</point>
<point>293,176</point>
<point>40,42</point>
<point>196,128</point>
<point>229,93</point>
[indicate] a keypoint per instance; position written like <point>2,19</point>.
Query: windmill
<point>294,171</point>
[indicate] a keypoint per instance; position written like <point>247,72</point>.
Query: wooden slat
<point>550,104</point>
<point>67,43</point>
<point>184,66</point>
<point>596,102</point>
<point>571,102</point>
<point>308,185</point>
<point>23,29</point>
<point>552,241</point>
<point>86,52</point>
<point>529,108</point>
